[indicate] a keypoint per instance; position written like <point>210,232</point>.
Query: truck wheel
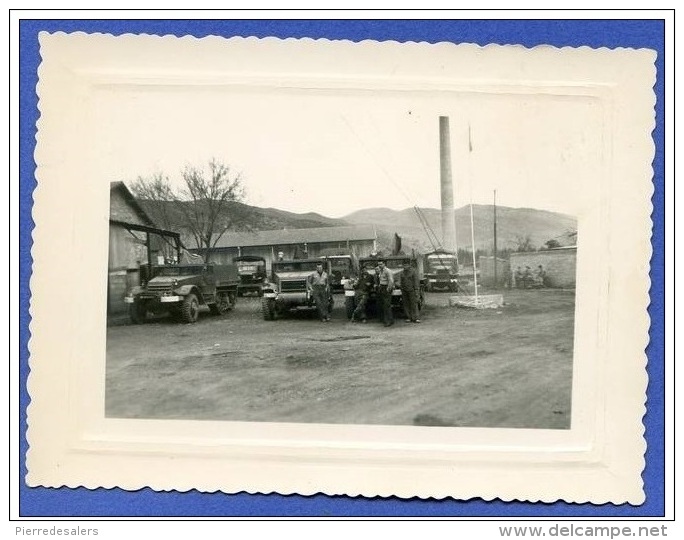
<point>137,312</point>
<point>268,308</point>
<point>222,304</point>
<point>349,306</point>
<point>190,309</point>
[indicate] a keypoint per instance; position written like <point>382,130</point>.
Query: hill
<point>513,225</point>
<point>169,215</point>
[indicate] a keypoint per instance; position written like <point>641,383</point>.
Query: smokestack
<point>448,221</point>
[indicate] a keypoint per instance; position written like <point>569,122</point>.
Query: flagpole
<point>496,281</point>
<point>472,226</point>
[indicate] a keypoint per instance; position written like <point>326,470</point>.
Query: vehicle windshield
<point>340,264</point>
<point>247,266</point>
<point>396,263</point>
<point>389,263</point>
<point>296,266</point>
<point>369,265</point>
<point>178,270</point>
<point>442,260</point>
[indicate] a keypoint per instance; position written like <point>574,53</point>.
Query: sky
<point>338,151</point>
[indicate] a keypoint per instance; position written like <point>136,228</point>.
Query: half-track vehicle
<point>287,289</point>
<point>395,264</point>
<point>182,289</point>
<point>441,271</point>
<point>252,272</point>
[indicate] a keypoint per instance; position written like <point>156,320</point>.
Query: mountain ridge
<point>514,225</point>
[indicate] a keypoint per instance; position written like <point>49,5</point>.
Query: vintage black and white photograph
<point>312,255</point>
<point>315,258</point>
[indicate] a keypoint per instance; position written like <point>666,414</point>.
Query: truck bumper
<point>161,299</point>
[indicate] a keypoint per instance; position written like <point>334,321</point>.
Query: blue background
<point>114,502</point>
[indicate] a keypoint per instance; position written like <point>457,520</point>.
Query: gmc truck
<point>252,271</point>
<point>395,264</point>
<point>441,271</point>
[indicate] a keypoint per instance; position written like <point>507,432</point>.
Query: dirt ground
<point>509,367</point>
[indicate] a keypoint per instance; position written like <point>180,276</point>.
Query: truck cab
<point>252,273</point>
<point>287,289</point>
<point>441,271</point>
<point>342,268</point>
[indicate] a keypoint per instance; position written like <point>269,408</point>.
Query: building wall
<point>485,266</point>
<point>362,248</point>
<point>125,255</point>
<point>560,265</point>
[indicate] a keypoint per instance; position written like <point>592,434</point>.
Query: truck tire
<point>268,309</point>
<point>137,312</point>
<point>190,309</point>
<point>349,306</point>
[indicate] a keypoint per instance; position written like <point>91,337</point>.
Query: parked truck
<point>395,264</point>
<point>342,268</point>
<point>182,289</point>
<point>252,272</point>
<point>287,289</point>
<point>441,271</point>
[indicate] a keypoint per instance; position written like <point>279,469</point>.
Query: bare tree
<point>157,196</point>
<point>204,202</point>
<point>524,243</point>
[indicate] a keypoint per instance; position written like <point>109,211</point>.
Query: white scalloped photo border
<point>599,460</point>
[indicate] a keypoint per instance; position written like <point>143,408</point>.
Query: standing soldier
<point>519,278</point>
<point>362,289</point>
<point>410,286</point>
<point>385,288</point>
<point>318,284</point>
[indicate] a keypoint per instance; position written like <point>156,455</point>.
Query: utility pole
<point>496,262</point>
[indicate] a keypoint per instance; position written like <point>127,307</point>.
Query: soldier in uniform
<point>385,288</point>
<point>410,287</point>
<point>518,278</point>
<point>319,285</point>
<point>362,289</point>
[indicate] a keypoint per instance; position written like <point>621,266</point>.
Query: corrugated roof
<point>284,237</point>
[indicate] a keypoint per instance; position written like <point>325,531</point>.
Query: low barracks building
<point>294,243</point>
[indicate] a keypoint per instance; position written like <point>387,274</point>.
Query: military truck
<point>287,289</point>
<point>252,272</point>
<point>182,289</point>
<point>395,264</point>
<point>441,271</point>
<point>342,268</point>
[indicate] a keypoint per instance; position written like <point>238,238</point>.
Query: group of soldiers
<point>381,281</point>
<point>525,279</point>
